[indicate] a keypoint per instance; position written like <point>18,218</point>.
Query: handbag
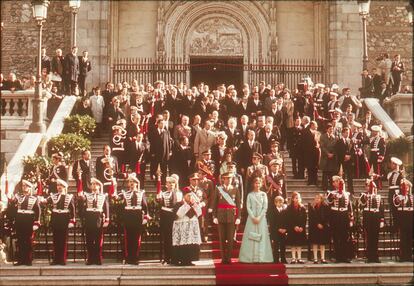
<point>55,77</point>
<point>255,236</point>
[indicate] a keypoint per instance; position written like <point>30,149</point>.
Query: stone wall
<point>345,44</point>
<point>19,36</point>
<point>389,31</point>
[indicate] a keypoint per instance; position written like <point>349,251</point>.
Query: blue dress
<point>256,246</point>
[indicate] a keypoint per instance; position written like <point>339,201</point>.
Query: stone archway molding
<point>210,28</point>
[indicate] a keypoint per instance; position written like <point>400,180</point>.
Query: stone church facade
<point>325,32</point>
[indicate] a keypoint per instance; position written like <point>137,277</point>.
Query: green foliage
<point>399,146</point>
<point>70,144</point>
<point>80,124</point>
<point>35,167</point>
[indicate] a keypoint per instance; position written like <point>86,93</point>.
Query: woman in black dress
<point>318,227</point>
<point>296,226</point>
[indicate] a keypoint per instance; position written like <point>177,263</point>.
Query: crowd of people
<point>215,156</point>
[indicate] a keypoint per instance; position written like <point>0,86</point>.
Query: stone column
<point>345,44</point>
<point>93,31</point>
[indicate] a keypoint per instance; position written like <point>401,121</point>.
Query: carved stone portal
<point>216,36</point>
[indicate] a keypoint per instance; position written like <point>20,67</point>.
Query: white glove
<point>202,204</point>
<point>215,221</point>
<point>105,224</point>
<point>144,221</point>
<point>351,224</point>
<point>35,227</point>
<point>382,224</point>
<point>71,225</point>
<point>237,222</point>
<point>159,196</point>
<point>210,211</point>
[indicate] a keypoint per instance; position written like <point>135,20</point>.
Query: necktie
<point>134,199</point>
<point>95,202</point>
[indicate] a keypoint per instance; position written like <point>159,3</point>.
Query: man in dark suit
<point>397,70</point>
<point>218,152</point>
<point>246,150</point>
<point>242,107</point>
<point>182,159</point>
<point>85,66</point>
<point>81,171</point>
<point>138,154</point>
<point>264,92</point>
<point>160,149</point>
<point>71,71</point>
<point>114,112</point>
<point>233,134</point>
<point>254,105</point>
<point>344,151</point>
<point>266,137</point>
<point>45,61</point>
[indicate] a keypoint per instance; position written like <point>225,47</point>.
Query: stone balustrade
<point>400,108</point>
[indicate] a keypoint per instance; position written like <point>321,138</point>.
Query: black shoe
<point>347,260</point>
<point>315,261</point>
<point>293,261</point>
<point>62,263</point>
<point>18,264</point>
<point>99,262</point>
<point>300,261</point>
<point>323,261</point>
<point>28,264</point>
<point>283,260</point>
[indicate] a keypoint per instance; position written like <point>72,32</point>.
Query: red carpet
<point>250,274</point>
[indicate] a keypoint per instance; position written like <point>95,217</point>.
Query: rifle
<point>46,230</point>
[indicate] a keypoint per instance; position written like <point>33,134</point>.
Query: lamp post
<point>39,8</point>
<point>363,6</point>
<point>74,5</point>
<point>410,12</point>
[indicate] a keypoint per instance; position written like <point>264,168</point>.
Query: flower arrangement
<point>36,168</point>
<point>70,144</point>
<point>83,125</point>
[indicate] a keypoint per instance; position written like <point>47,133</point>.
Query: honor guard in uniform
<point>201,198</point>
<point>341,220</point>
<point>96,217</point>
<point>227,214</point>
<point>404,204</point>
<point>58,171</point>
<point>274,154</point>
<point>62,218</point>
<point>372,218</point>
<point>26,221</point>
<point>81,172</point>
<point>118,145</point>
<point>377,153</point>
<point>167,200</point>
<point>207,165</point>
<point>109,179</point>
<point>394,180</point>
<point>134,217</point>
<point>275,181</point>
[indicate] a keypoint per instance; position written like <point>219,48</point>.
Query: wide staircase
<point>151,272</point>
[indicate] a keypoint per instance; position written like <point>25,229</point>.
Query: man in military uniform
<point>207,165</point>
<point>58,171</point>
<point>358,140</point>
<point>372,218</point>
<point>257,169</point>
<point>377,152</point>
<point>81,172</point>
<point>27,220</point>
<point>167,199</point>
<point>134,216</point>
<point>273,154</point>
<point>394,180</point>
<point>404,204</point>
<point>341,219</point>
<point>275,181</point>
<point>96,217</point>
<point>226,213</point>
<point>62,218</point>
<point>107,175</point>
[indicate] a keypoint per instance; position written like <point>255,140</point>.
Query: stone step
<point>354,279</point>
<point>353,268</point>
<point>110,280</point>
